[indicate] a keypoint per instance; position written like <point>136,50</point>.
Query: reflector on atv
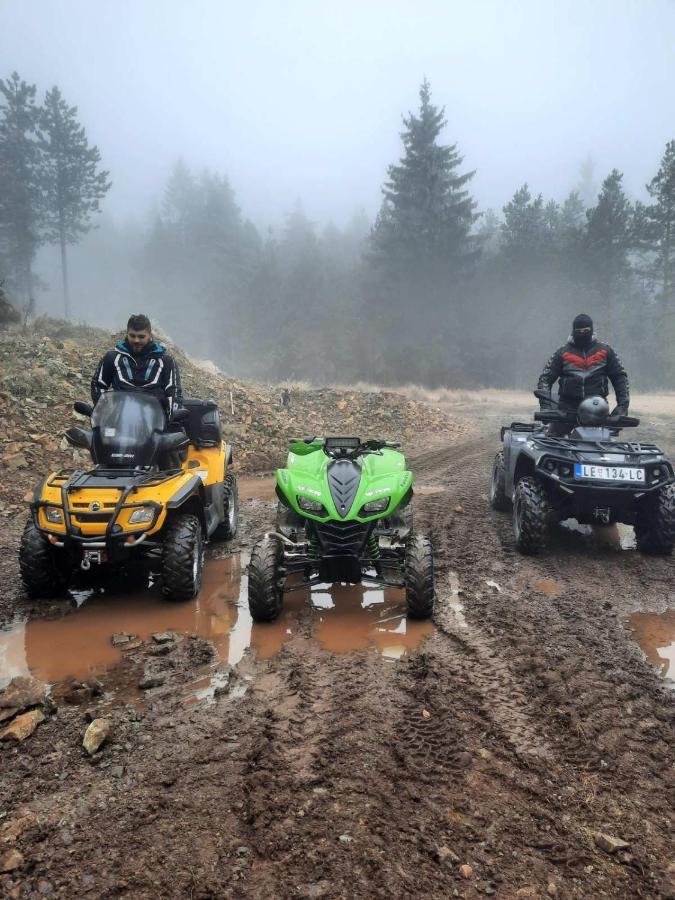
<point>577,466</point>
<point>149,504</point>
<point>345,514</point>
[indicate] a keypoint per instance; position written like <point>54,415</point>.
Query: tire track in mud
<point>568,685</point>
<point>524,724</point>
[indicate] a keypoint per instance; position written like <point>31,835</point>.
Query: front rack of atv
<point>584,445</point>
<point>68,479</point>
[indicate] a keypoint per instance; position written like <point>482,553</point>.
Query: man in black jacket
<point>139,362</point>
<point>584,368</point>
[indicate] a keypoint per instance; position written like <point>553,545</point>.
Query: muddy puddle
<point>655,633</point>
<point>79,644</point>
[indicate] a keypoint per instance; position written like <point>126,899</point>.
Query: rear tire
<point>498,498</point>
<point>43,573</point>
<point>655,526</point>
<point>265,579</point>
<point>531,515</point>
<point>182,557</point>
<point>227,529</point>
<point>418,574</point>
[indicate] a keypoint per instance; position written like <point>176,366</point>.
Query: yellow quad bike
<point>152,500</point>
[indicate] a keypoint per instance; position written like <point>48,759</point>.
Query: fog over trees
<point>435,290</point>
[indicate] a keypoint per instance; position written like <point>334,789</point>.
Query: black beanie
<point>582,321</point>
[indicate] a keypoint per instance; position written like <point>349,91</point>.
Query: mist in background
<point>249,146</point>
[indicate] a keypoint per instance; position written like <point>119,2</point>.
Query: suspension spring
<point>312,547</point>
<point>373,546</point>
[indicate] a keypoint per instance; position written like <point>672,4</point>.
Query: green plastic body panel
<point>306,475</point>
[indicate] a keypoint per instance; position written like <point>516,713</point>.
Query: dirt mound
<point>42,373</point>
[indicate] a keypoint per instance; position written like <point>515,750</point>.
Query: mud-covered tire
<point>531,515</point>
<point>655,526</point>
<point>498,498</point>
<point>227,529</point>
<point>182,557</point>
<point>43,574</point>
<point>418,574</point>
<point>265,579</point>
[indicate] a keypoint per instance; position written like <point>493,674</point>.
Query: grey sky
<point>303,99</point>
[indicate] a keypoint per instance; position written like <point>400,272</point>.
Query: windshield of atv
<point>127,419</point>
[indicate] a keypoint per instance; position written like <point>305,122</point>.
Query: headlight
<point>375,506</point>
<point>54,515</point>
<point>141,515</point>
<point>312,506</point>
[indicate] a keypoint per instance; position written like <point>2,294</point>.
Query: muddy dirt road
<point>338,753</point>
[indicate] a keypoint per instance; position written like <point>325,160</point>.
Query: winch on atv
<point>576,465</point>
<point>149,504</point>
<point>344,515</point>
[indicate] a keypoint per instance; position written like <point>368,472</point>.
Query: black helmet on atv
<point>593,411</point>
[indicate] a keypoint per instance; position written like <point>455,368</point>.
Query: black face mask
<point>583,340</point>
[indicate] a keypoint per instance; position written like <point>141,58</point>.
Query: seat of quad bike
<point>203,425</point>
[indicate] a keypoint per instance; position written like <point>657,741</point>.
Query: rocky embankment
<point>44,371</point>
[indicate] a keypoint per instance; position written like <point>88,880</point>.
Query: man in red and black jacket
<point>584,367</point>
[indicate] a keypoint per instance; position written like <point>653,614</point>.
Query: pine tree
<point>661,225</point>
<point>428,213</point>
<point>524,226</point>
<point>73,183</point>
<point>610,236</point>
<point>21,208</point>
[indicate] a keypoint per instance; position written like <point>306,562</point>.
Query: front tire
<point>498,498</point>
<point>655,526</point>
<point>531,515</point>
<point>43,573</point>
<point>182,557</point>
<point>418,574</point>
<point>265,579</point>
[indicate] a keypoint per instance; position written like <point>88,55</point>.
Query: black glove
<point>619,410</point>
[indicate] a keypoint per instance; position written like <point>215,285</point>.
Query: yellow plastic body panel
<point>209,464</point>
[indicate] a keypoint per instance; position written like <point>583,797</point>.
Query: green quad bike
<point>345,515</point>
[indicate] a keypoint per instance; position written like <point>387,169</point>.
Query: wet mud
<point>347,753</point>
<point>100,629</point>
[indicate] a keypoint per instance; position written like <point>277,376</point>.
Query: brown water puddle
<point>655,633</point>
<point>79,644</point>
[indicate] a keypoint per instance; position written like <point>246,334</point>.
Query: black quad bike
<point>578,466</point>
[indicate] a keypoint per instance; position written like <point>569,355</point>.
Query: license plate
<point>609,473</point>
